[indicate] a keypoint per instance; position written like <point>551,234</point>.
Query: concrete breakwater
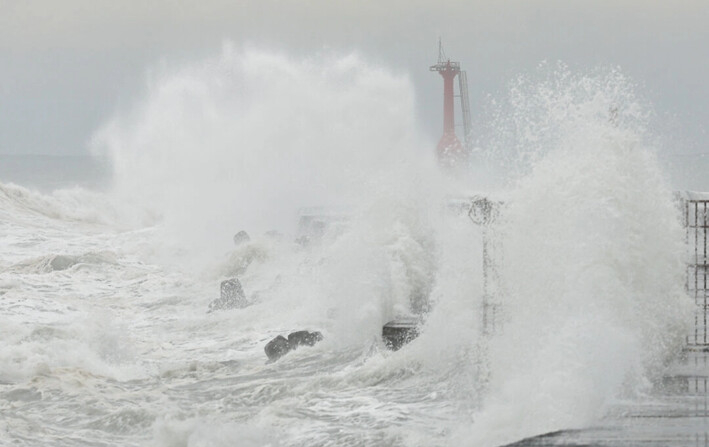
<point>675,414</point>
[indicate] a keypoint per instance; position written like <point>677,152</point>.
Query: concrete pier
<point>676,414</point>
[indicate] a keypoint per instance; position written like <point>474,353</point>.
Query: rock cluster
<point>232,296</point>
<point>280,346</point>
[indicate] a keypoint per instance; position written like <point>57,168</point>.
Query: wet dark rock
<point>399,332</point>
<point>232,296</point>
<point>277,348</point>
<point>241,237</point>
<point>280,346</point>
<point>300,338</point>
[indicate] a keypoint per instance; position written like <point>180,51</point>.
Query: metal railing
<point>696,221</point>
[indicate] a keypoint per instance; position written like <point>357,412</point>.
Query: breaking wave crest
<point>588,262</point>
<point>20,204</point>
<point>591,268</point>
<point>246,138</point>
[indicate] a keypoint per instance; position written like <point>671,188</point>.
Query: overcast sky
<point>67,65</point>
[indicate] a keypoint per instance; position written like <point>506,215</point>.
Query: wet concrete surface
<point>676,414</point>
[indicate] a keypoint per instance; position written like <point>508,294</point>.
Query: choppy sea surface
<point>107,270</point>
<point>107,341</point>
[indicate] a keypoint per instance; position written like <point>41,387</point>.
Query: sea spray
<point>244,139</point>
<point>591,269</point>
<point>241,141</point>
<point>593,273</point>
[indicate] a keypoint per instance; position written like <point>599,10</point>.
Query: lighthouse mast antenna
<point>441,53</point>
<point>449,149</point>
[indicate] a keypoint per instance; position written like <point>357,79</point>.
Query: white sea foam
<point>593,274</point>
<point>244,139</point>
<point>117,344</point>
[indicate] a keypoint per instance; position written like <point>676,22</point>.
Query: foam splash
<point>79,205</point>
<point>593,272</point>
<point>194,433</point>
<point>244,139</point>
<point>592,250</point>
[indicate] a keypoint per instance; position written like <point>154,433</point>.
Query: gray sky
<point>67,65</point>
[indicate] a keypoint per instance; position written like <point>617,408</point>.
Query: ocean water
<point>106,279</point>
<point>46,173</point>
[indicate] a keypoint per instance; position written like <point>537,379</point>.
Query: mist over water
<point>246,138</point>
<point>590,265</point>
<point>592,260</point>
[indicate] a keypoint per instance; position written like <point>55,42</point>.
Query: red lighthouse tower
<point>450,150</point>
